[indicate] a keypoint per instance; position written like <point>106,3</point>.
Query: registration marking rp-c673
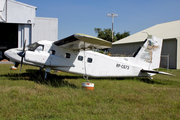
<point>122,66</point>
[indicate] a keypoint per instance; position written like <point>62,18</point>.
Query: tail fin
<point>149,54</point>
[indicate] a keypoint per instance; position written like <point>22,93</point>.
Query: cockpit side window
<point>40,48</point>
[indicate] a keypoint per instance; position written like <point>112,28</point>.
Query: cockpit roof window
<point>33,46</point>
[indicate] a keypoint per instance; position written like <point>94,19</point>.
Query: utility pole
<point>112,15</point>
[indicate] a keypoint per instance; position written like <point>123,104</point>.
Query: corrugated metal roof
<point>165,31</point>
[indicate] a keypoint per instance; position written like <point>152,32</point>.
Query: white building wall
<point>178,53</point>
<point>24,33</point>
<point>30,27</point>
<point>18,12</point>
<point>45,29</point>
<point>2,10</point>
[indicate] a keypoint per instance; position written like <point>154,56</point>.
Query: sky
<point>82,16</point>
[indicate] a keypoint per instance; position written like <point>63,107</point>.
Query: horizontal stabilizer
<point>156,72</point>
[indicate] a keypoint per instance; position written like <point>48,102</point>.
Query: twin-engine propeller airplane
<point>75,54</point>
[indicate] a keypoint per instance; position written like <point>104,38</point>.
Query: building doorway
<point>9,37</point>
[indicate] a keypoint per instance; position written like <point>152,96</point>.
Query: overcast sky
<point>82,16</point>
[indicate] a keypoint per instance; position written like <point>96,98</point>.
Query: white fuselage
<point>88,63</point>
<point>71,54</point>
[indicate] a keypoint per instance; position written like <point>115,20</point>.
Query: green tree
<point>123,35</point>
<point>106,34</point>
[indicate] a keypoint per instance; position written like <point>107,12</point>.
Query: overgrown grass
<point>29,96</point>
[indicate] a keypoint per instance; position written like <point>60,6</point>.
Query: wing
<point>82,41</point>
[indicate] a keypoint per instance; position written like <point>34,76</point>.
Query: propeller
<point>22,54</point>
<point>16,64</point>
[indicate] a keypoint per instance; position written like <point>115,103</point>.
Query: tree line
<point>106,34</point>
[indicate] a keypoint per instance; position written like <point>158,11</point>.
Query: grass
<point>27,96</point>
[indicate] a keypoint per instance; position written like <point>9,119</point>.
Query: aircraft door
<point>89,63</point>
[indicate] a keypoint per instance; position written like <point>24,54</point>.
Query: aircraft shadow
<point>141,79</point>
<point>38,77</point>
<point>55,80</point>
<point>146,80</point>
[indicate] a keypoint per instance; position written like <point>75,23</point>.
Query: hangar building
<point>18,22</point>
<point>169,32</point>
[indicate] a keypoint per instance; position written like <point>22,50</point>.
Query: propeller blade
<point>21,63</point>
<point>23,54</point>
<point>24,46</point>
<point>16,64</point>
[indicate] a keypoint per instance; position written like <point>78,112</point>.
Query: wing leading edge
<point>82,41</point>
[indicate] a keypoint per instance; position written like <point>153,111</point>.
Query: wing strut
<point>85,76</point>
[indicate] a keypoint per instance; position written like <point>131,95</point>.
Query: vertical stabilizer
<point>150,53</point>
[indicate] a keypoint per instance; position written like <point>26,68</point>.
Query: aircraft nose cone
<point>7,52</point>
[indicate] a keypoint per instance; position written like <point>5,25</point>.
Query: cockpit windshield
<point>33,46</point>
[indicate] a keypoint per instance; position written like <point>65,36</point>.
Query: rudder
<point>150,53</point>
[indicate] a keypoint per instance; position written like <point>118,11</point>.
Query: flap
<point>82,41</point>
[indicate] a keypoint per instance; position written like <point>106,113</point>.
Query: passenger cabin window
<point>52,52</point>
<point>80,58</point>
<point>89,60</point>
<point>67,55</point>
